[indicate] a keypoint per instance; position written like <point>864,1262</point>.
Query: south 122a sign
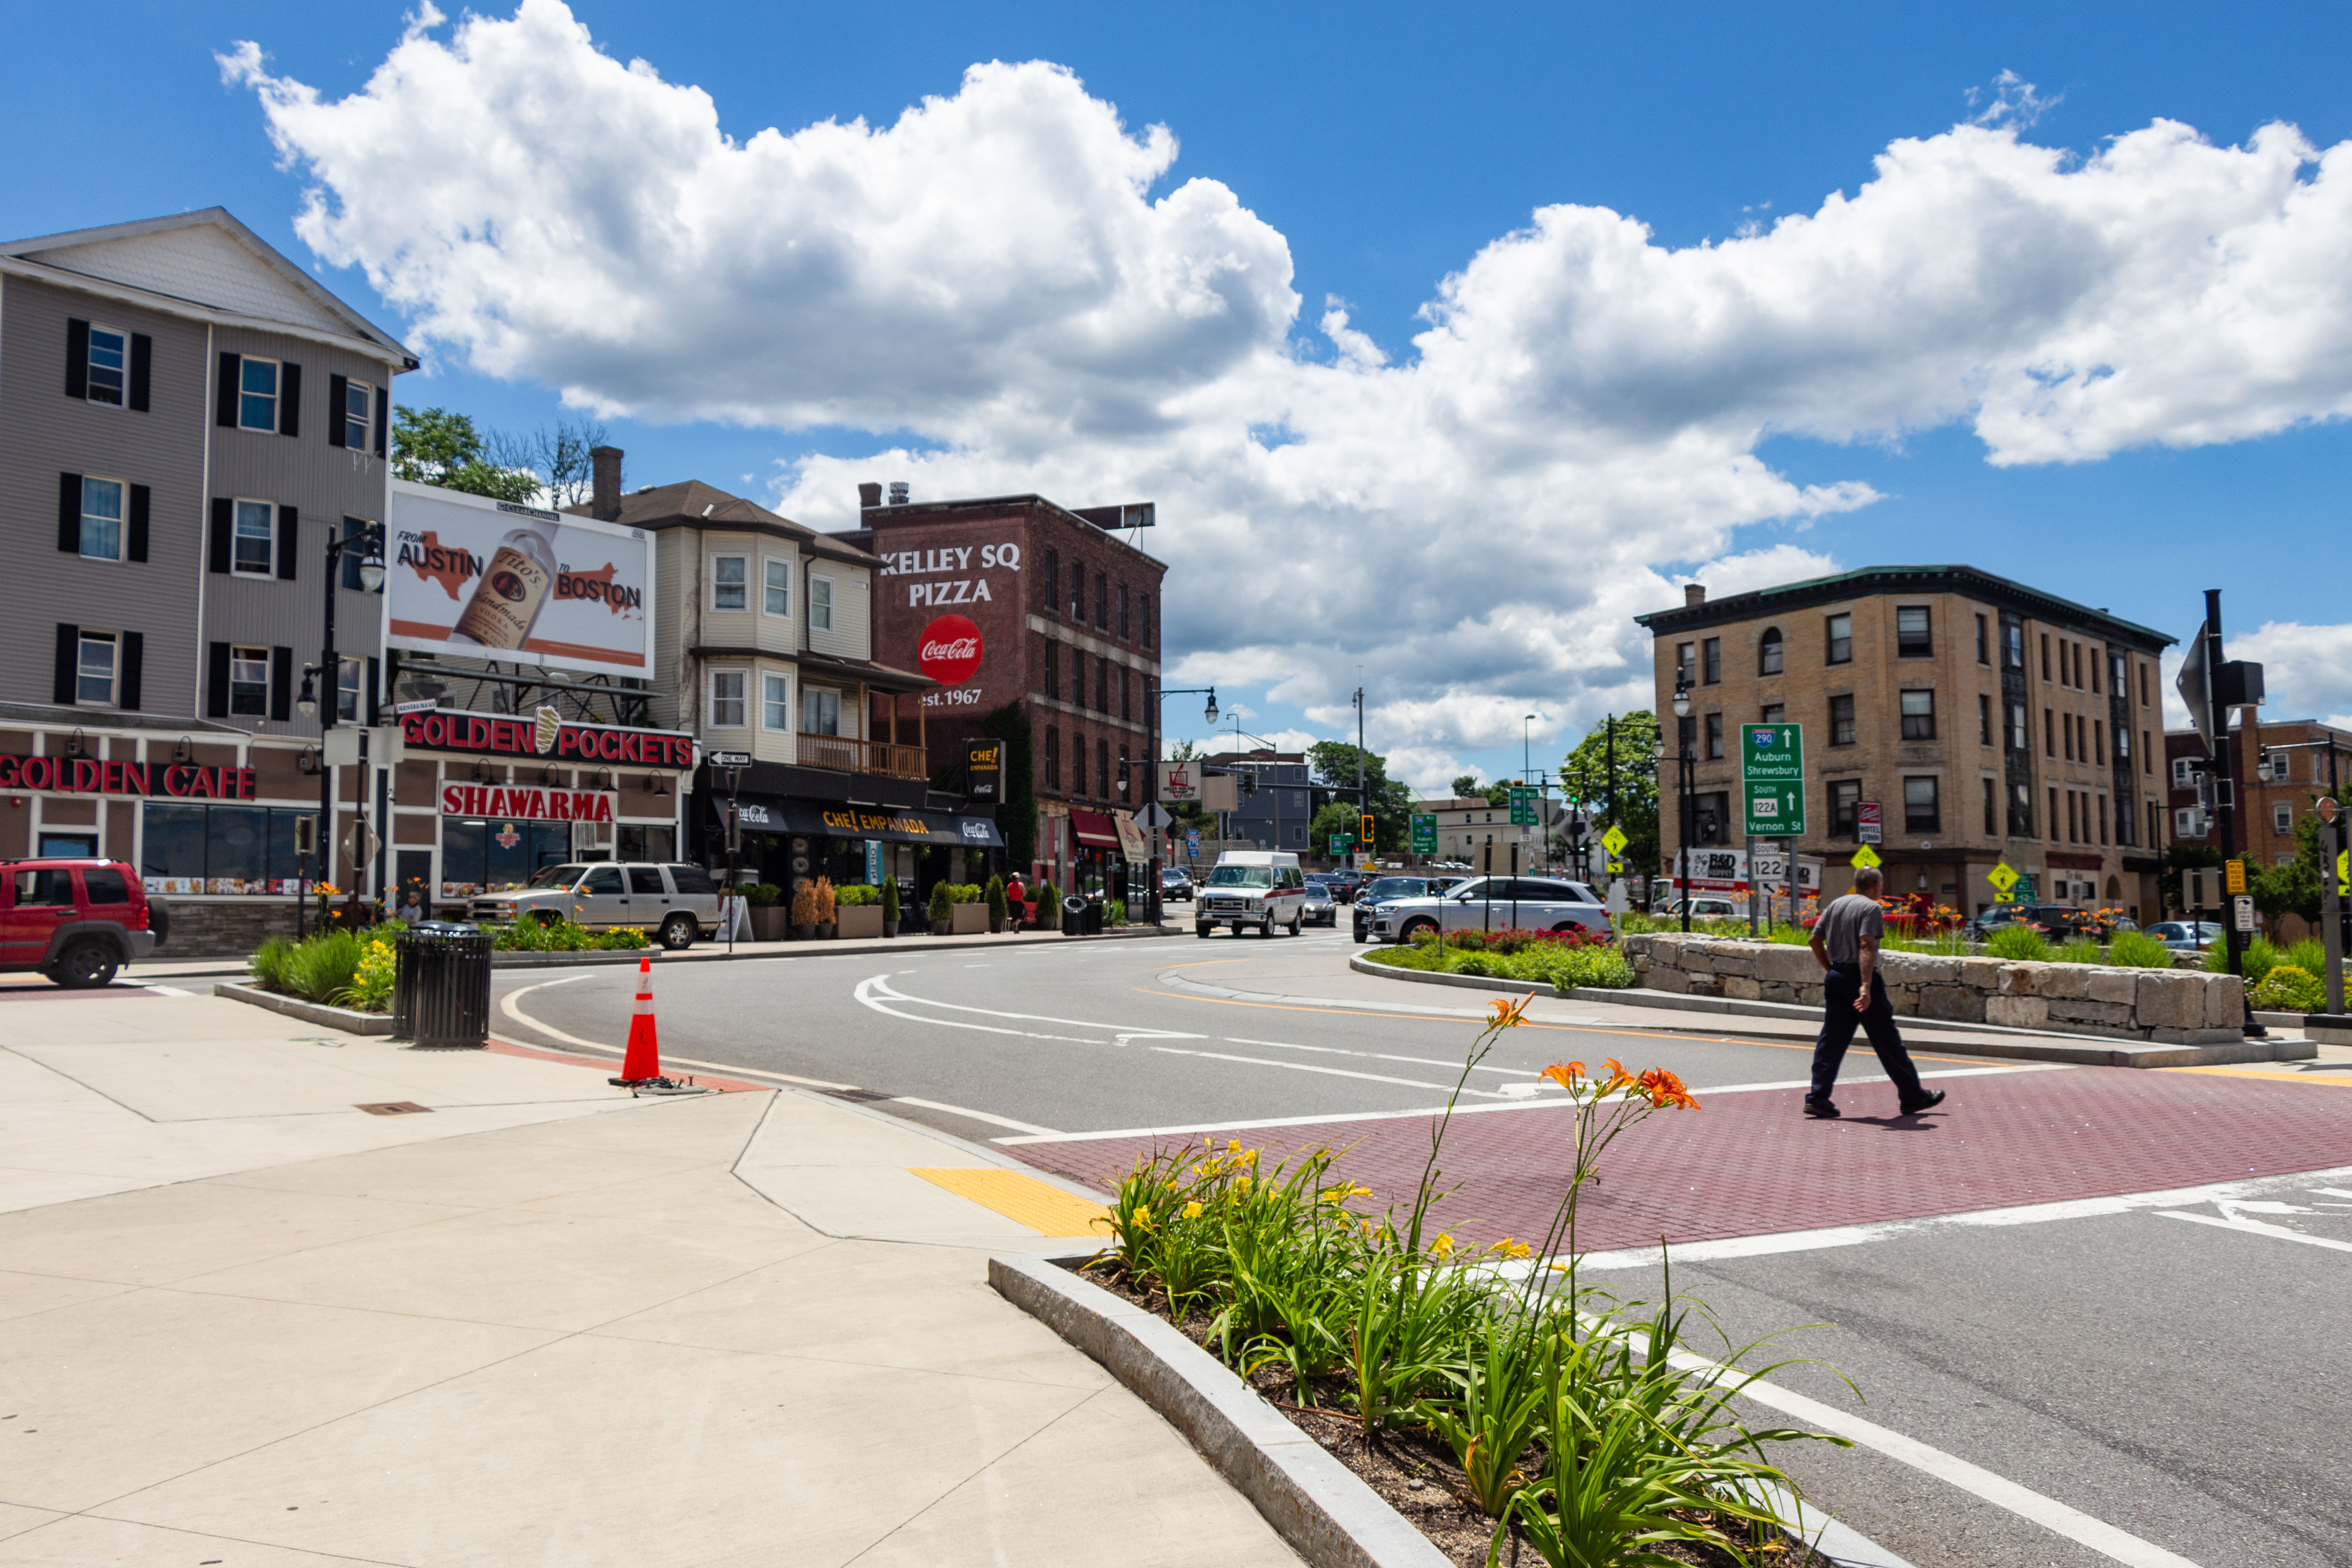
<point>1773,781</point>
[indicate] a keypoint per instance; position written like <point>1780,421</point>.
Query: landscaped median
<point>1561,960</point>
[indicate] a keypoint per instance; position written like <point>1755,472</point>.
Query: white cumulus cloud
<point>1016,282</point>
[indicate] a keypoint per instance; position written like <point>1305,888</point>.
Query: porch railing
<point>851,756</point>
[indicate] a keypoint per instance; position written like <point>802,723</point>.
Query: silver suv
<point>1493,903</point>
<point>675,904</point>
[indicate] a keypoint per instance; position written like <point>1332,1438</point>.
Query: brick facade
<point>2272,801</point>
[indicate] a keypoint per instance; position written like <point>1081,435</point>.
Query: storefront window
<point>220,848</point>
<point>479,855</point>
<point>644,843</point>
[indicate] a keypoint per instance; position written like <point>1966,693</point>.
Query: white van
<point>1256,888</point>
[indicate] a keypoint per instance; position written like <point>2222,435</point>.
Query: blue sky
<point>1386,146</point>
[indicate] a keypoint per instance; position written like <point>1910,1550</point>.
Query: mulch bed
<point>1413,1472</point>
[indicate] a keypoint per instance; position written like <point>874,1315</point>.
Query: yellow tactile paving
<point>2337,1079</point>
<point>1047,1210</point>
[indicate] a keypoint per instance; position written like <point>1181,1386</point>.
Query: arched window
<point>1768,652</point>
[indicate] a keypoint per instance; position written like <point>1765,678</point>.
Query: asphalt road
<point>2175,1380</point>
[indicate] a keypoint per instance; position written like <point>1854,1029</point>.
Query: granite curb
<point>351,1021</point>
<point>1325,1510</point>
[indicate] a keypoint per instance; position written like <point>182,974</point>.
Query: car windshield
<point>1317,891</point>
<point>1394,888</point>
<point>1241,876</point>
<point>555,876</point>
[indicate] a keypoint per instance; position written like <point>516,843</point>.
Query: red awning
<point>1095,830</point>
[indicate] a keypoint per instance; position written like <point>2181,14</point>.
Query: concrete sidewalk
<point>540,1321</point>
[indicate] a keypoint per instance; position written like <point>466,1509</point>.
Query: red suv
<point>77,922</point>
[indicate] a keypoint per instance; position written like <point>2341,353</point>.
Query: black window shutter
<point>289,540</point>
<point>76,357</point>
<point>375,715</point>
<point>232,366</point>
<point>70,513</point>
<point>143,364</point>
<point>68,652</point>
<point>382,415</point>
<point>337,386</point>
<point>282,683</point>
<point>134,657</point>
<point>289,399</point>
<point>224,517</point>
<point>216,680</point>
<point>135,547</point>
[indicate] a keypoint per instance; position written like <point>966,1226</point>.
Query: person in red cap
<point>1017,899</point>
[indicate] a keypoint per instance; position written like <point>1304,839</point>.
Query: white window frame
<point>817,694</point>
<point>253,658</point>
<point>2184,822</point>
<point>350,679</point>
<point>820,607</point>
<point>716,719</point>
<point>91,369</point>
<point>122,516</point>
<point>771,592</point>
<point>742,585</point>
<point>771,681</point>
<point>277,388</point>
<point>84,641</point>
<point>359,429</point>
<point>2282,818</point>
<point>236,533</point>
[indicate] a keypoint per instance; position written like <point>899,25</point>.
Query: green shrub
<point>563,936</point>
<point>2138,950</point>
<point>998,910</point>
<point>2259,958</point>
<point>761,895</point>
<point>1117,915</point>
<point>962,892</point>
<point>890,903</point>
<point>2018,945</point>
<point>269,962</point>
<point>940,903</point>
<point>371,987</point>
<point>1562,965</point>
<point>2288,988</point>
<point>1049,907</point>
<point>2310,955</point>
<point>858,895</point>
<point>321,969</point>
<point>2078,950</point>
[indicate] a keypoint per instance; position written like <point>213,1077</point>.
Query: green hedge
<point>1564,966</point>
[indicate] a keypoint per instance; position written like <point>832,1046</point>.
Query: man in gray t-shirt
<point>1845,944</point>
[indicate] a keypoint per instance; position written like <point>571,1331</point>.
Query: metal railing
<point>844,754</point>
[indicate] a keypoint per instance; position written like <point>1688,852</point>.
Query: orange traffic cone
<point>642,1062</point>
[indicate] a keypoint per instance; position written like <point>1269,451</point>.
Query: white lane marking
<point>507,1006</point>
<point>1375,1056</point>
<point>170,991</point>
<point>2026,1213</point>
<point>975,1115</point>
<point>876,993</point>
<point>1872,1074</point>
<point>1309,1067</point>
<point>2256,1228</point>
<point>2046,1512</point>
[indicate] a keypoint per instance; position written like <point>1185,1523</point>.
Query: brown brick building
<point>1989,722</point>
<point>1013,600</point>
<point>2275,789</point>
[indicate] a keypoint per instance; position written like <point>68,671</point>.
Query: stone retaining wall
<point>2170,1006</point>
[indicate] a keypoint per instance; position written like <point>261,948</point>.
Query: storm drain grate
<point>395,1108</point>
<point>863,1096</point>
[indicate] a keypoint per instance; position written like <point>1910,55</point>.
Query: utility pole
<point>1363,796</point>
<point>2226,804</point>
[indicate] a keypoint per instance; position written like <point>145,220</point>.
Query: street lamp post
<point>369,542</point>
<point>1208,714</point>
<point>1685,765</point>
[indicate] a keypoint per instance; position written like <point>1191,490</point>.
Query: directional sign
<point>1772,780</point>
<point>728,758</point>
<point>2003,880</point>
<point>2233,874</point>
<point>1523,806</point>
<point>1865,858</point>
<point>1339,844</point>
<point>1424,835</point>
<point>2243,908</point>
<point>2196,694</point>
<point>1616,868</point>
<point>1614,840</point>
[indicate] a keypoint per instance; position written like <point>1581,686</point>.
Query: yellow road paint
<point>1047,1210</point>
<point>2333,1080</point>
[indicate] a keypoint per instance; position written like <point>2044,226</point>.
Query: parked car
<point>1175,885</point>
<point>77,922</point>
<point>1383,889</point>
<point>1256,888</point>
<point>2058,921</point>
<point>1495,903</point>
<point>1702,908</point>
<point>2187,936</point>
<point>1322,909</point>
<point>675,904</point>
<point>1346,885</point>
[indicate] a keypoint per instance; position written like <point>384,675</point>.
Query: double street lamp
<point>367,543</point>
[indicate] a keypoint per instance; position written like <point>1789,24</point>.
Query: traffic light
<point>1249,783</point>
<point>1366,837</point>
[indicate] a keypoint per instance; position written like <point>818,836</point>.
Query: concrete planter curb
<point>1320,1507</point>
<point>349,1020</point>
<point>1362,965</point>
<point>716,952</point>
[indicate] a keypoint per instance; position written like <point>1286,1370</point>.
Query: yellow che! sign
<point>2002,878</point>
<point>2235,873</point>
<point>1865,858</point>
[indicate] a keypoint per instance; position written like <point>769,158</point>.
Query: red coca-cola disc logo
<point>949,652</point>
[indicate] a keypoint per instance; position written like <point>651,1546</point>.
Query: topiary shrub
<point>998,909</point>
<point>890,903</point>
<point>2289,989</point>
<point>941,904</point>
<point>1049,907</point>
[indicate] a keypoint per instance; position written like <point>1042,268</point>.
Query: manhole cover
<point>395,1108</point>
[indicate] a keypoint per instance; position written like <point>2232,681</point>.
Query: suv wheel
<point>1295,922</point>
<point>1201,927</point>
<point>1266,926</point>
<point>85,966</point>
<point>1360,933</point>
<point>678,932</point>
<point>1412,928</point>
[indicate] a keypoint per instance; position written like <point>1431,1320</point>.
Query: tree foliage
<point>1333,765</point>
<point>1586,777</point>
<point>435,446</point>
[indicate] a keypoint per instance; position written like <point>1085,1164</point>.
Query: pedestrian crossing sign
<point>1614,840</point>
<point>2003,880</point>
<point>1865,858</point>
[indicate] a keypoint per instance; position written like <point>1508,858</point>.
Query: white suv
<point>675,904</point>
<point>1257,890</point>
<point>1495,903</point>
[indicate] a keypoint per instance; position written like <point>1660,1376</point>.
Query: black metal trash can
<point>441,985</point>
<point>1073,915</point>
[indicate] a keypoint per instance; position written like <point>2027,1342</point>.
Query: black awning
<point>892,824</point>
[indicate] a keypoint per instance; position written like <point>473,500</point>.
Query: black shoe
<point>1824,1110</point>
<point>1926,1102</point>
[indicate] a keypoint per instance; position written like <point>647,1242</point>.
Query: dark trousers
<point>1841,985</point>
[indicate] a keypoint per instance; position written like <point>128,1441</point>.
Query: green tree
<point>435,446</point>
<point>2179,857</point>
<point>1339,816</point>
<point>1585,779</point>
<point>2292,888</point>
<point>1465,785</point>
<point>1333,764</point>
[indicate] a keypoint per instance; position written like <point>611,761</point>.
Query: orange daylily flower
<point>1508,1014</point>
<point>1565,1074</point>
<point>1664,1088</point>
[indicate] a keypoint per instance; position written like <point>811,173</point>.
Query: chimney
<point>898,493</point>
<point>604,491</point>
<point>869,496</point>
<point>1694,594</point>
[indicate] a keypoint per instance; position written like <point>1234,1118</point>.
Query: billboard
<point>477,578</point>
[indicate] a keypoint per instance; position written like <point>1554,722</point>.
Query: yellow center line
<point>2335,1082</point>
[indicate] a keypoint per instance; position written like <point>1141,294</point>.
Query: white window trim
<point>710,699</point>
<point>86,367</point>
<point>2281,819</point>
<point>715,558</point>
<point>115,668</point>
<point>820,692</point>
<point>792,713</point>
<point>358,688</point>
<point>827,623</point>
<point>787,562</point>
<point>366,443</point>
<point>121,522</point>
<point>236,507</point>
<point>276,391</point>
<point>237,655</point>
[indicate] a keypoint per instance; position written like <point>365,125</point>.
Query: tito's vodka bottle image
<point>513,590</point>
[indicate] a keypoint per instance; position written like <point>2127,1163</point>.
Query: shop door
<point>603,898</point>
<point>39,900</point>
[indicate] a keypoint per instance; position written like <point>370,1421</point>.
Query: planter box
<point>859,919</point>
<point>967,919</point>
<point>349,1020</point>
<point>770,922</point>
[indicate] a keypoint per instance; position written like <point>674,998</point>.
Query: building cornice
<point>1868,581</point>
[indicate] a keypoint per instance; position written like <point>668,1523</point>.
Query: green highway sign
<point>1424,835</point>
<point>1773,781</point>
<point>1339,843</point>
<point>1523,806</point>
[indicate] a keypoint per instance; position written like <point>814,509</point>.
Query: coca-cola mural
<point>949,650</point>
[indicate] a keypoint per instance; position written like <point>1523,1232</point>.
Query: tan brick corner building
<point>1989,721</point>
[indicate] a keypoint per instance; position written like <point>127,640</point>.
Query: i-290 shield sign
<point>1773,781</point>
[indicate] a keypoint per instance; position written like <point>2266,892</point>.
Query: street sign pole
<point>1772,801</point>
<point>2331,902</point>
<point>2227,804</point>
